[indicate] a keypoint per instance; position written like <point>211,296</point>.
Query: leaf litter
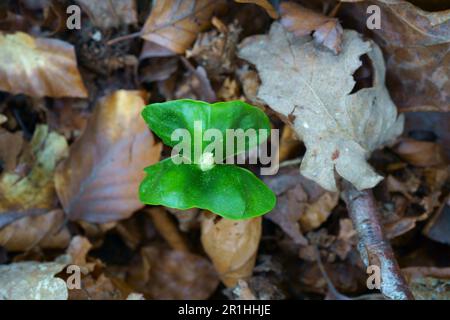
<point>73,146</point>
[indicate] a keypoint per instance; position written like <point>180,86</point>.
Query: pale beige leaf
<point>232,246</point>
<point>32,280</point>
<point>312,87</point>
<point>39,67</point>
<point>99,181</point>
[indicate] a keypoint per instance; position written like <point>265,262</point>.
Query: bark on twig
<point>373,246</point>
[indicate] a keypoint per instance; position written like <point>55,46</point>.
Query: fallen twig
<point>373,246</point>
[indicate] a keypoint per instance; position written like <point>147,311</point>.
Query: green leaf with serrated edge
<point>229,191</point>
<point>164,118</point>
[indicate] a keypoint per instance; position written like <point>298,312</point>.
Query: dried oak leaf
<point>30,189</point>
<point>416,44</point>
<point>313,86</point>
<point>99,180</point>
<point>171,274</point>
<point>302,21</point>
<point>232,246</point>
<point>39,67</point>
<point>174,24</point>
<point>32,280</point>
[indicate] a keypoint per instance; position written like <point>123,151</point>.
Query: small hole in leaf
<point>363,76</point>
<point>422,135</point>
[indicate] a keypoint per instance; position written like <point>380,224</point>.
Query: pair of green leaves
<point>224,189</point>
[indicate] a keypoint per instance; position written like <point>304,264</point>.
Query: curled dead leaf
<point>174,24</point>
<point>39,67</point>
<point>100,179</point>
<point>421,153</point>
<point>302,21</point>
<point>232,246</point>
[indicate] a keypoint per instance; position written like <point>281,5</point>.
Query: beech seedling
<point>203,136</point>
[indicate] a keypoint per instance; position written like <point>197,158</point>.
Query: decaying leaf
<point>421,153</point>
<point>30,188</point>
<point>10,148</point>
<point>171,274</point>
<point>111,13</point>
<point>39,67</point>
<point>46,231</point>
<point>32,280</point>
<point>429,283</point>
<point>302,21</point>
<point>100,179</point>
<point>174,24</point>
<point>416,45</point>
<point>298,203</point>
<point>216,50</point>
<point>312,87</point>
<point>232,246</point>
<point>265,4</point>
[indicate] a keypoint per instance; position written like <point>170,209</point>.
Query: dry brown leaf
<point>46,231</point>
<point>312,87</point>
<point>32,280</point>
<point>174,24</point>
<point>68,117</point>
<point>416,45</point>
<point>110,13</point>
<point>29,189</point>
<point>421,153</point>
<point>10,148</point>
<point>302,205</point>
<point>39,67</point>
<point>167,228</point>
<point>170,274</point>
<point>289,144</point>
<point>100,179</point>
<point>302,21</point>
<point>232,246</point>
<point>318,212</point>
<point>265,4</point>
<point>215,50</point>
<point>78,250</point>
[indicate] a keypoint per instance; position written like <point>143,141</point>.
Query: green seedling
<point>196,175</point>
